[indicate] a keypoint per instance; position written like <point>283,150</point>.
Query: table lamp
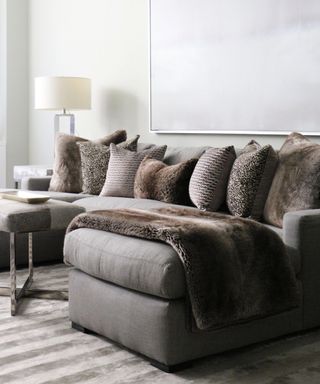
<point>64,93</point>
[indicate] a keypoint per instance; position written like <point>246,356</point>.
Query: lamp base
<point>57,119</point>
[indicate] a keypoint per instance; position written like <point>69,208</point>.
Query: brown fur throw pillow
<point>296,184</point>
<point>67,162</point>
<point>158,181</point>
<point>250,180</point>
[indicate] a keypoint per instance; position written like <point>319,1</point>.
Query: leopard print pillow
<point>250,180</point>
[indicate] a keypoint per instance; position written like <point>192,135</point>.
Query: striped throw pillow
<point>208,183</point>
<point>94,163</point>
<point>122,169</point>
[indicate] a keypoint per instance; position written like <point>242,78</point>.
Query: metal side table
<point>19,217</point>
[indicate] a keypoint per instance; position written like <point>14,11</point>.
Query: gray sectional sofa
<point>133,291</point>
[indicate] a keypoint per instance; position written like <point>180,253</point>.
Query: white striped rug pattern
<point>39,347</point>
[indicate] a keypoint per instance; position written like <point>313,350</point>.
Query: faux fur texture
<point>158,181</point>
<point>67,175</point>
<point>296,183</point>
<point>236,269</point>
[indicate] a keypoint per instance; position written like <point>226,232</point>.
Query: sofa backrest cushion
<point>175,155</point>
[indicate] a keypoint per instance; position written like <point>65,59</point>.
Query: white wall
<point>3,91</point>
<point>14,79</point>
<point>3,69</point>
<point>106,40</point>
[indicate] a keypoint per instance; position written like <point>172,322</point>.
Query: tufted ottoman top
<point>23,217</point>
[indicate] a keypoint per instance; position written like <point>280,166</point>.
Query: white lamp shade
<point>62,93</point>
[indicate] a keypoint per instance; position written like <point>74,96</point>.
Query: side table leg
<point>13,275</point>
<point>30,256</point>
<point>17,293</point>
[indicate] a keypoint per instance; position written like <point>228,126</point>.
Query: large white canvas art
<point>235,66</point>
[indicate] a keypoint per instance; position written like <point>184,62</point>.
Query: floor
<point>38,346</point>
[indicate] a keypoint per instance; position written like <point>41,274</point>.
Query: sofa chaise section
<point>113,283</point>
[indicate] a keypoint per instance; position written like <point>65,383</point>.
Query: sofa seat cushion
<point>111,202</point>
<point>141,265</point>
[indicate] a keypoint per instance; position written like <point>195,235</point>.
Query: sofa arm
<point>36,183</point>
<point>302,235</point>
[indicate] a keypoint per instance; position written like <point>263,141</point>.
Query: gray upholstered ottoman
<point>16,217</point>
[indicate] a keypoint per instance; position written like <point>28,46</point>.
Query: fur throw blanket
<point>236,269</point>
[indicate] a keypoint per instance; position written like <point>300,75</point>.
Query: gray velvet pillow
<point>296,183</point>
<point>67,176</point>
<point>208,184</point>
<point>122,169</point>
<point>94,163</point>
<point>169,183</point>
<point>250,180</point>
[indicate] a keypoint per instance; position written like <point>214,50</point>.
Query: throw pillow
<point>116,137</point>
<point>250,179</point>
<point>94,163</point>
<point>296,184</point>
<point>67,162</point>
<point>122,169</point>
<point>158,181</point>
<point>208,184</point>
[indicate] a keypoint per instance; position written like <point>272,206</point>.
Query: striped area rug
<point>39,346</point>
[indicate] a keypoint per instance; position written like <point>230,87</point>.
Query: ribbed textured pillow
<point>94,163</point>
<point>208,183</point>
<point>67,176</point>
<point>296,183</point>
<point>169,183</point>
<point>250,180</point>
<point>122,169</point>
